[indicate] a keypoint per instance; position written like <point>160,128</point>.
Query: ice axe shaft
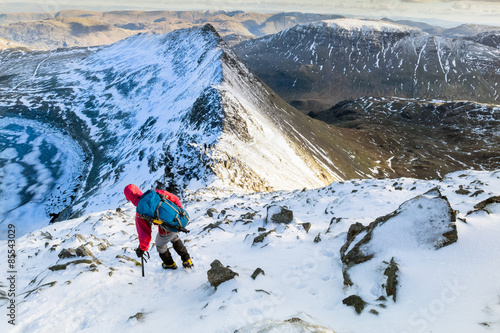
<point>144,261</point>
<point>142,264</point>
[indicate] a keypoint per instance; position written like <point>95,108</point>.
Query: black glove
<point>139,252</point>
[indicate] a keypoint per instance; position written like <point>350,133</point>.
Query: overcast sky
<point>462,11</point>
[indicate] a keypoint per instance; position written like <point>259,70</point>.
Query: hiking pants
<point>162,247</point>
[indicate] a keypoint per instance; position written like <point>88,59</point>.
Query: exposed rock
<point>104,245</point>
<point>279,214</point>
<point>83,251</point>
<point>212,211</point>
<point>129,259</point>
<point>317,239</point>
<point>478,192</point>
<point>67,253</point>
<point>37,289</point>
<point>306,226</point>
<point>392,279</point>
<point>75,262</point>
<point>257,272</point>
<point>294,320</point>
<point>212,226</point>
<point>260,238</point>
<point>462,191</point>
<point>263,291</point>
<point>354,230</point>
<point>356,302</point>
<point>139,316</point>
<point>426,221</point>
<point>46,235</point>
<point>248,216</point>
<point>218,274</point>
<point>80,237</point>
<point>483,205</point>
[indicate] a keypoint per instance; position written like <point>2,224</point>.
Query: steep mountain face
<point>176,111</point>
<point>70,28</point>
<point>316,65</point>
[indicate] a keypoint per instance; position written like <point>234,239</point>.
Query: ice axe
<point>145,254</point>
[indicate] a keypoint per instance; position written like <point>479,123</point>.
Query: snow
<point>454,288</point>
<point>40,165</point>
<point>369,26</point>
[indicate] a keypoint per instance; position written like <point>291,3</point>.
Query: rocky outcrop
<point>260,237</point>
<point>392,279</point>
<point>356,302</point>
<point>424,222</point>
<point>257,271</point>
<point>487,204</point>
<point>219,274</point>
<point>279,214</point>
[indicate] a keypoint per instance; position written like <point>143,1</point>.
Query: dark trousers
<point>162,247</point>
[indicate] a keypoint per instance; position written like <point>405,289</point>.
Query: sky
<point>448,12</point>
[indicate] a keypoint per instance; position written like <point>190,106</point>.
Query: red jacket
<point>133,194</point>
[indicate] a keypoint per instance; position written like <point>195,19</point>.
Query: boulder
<point>257,272</point>
<point>306,226</point>
<point>260,237</point>
<point>279,214</point>
<point>391,284</point>
<point>426,221</point>
<point>218,274</point>
<point>356,302</point>
<point>212,211</point>
<point>83,251</point>
<point>67,253</point>
<point>487,205</point>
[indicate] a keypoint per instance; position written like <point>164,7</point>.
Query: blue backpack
<point>155,208</point>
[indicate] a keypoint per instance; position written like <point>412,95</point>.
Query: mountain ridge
<point>316,65</point>
<point>156,111</point>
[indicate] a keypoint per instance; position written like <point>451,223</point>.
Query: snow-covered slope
<point>454,288</point>
<point>176,111</point>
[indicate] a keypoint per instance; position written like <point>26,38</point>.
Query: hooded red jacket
<point>133,194</point>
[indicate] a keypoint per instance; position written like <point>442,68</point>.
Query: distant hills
<point>70,28</point>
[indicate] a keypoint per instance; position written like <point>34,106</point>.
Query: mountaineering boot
<point>165,266</point>
<point>187,264</point>
<point>168,262</point>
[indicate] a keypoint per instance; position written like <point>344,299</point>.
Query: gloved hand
<point>139,252</point>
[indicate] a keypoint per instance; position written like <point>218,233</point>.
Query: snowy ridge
<point>335,60</point>
<point>365,26</point>
<point>438,290</point>
<point>177,111</point>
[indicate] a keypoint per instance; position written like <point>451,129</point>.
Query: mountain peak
<point>176,111</point>
<point>366,25</point>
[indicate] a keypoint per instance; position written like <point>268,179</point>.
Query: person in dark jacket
<point>133,194</point>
